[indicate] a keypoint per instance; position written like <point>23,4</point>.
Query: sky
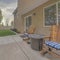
<point>7,7</point>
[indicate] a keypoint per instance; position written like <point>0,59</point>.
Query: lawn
<point>6,33</point>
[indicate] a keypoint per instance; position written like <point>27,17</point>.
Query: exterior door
<point>27,22</point>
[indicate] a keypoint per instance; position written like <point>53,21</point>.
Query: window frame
<point>25,27</point>
<point>56,13</point>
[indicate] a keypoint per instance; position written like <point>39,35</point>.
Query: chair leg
<point>44,50</point>
<point>47,49</point>
<point>54,54</point>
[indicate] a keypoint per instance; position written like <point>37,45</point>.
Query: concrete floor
<point>14,48</point>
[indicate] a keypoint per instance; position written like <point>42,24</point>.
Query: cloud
<point>11,7</point>
<point>7,7</point>
<point>2,5</point>
<point>8,1</point>
<point>7,16</point>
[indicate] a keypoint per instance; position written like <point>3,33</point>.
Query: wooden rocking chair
<point>52,46</point>
<point>31,30</point>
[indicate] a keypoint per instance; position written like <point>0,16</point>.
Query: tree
<point>1,16</point>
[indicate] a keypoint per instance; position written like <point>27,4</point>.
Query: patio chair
<point>52,46</point>
<point>31,30</point>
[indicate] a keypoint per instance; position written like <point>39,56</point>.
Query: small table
<point>36,41</point>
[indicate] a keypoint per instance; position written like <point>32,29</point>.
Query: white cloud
<point>7,10</point>
<point>7,15</point>
<point>2,5</point>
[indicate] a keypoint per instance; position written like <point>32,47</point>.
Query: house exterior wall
<point>28,5</point>
<point>23,7</point>
<point>37,19</point>
<point>15,18</point>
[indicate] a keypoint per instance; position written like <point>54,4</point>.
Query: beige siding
<point>28,5</point>
<point>37,19</point>
<point>15,19</point>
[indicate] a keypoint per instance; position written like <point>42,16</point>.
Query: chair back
<point>31,29</point>
<point>55,33</point>
<point>58,35</point>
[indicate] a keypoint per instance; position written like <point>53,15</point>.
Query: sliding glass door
<point>27,23</point>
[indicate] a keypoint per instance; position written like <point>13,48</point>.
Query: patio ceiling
<point>28,5</point>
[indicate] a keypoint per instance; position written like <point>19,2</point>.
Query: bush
<point>15,30</point>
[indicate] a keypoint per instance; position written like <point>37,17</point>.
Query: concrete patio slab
<point>14,48</point>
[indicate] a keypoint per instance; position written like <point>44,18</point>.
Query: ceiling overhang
<point>31,7</point>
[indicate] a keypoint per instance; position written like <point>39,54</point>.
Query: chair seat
<point>47,42</point>
<point>53,44</point>
<point>50,43</point>
<point>57,47</point>
<point>26,34</point>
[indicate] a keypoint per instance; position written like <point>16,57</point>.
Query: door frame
<point>25,28</point>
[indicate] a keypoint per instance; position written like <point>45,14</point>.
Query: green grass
<point>6,33</point>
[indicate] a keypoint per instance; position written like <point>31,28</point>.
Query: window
<point>52,14</point>
<point>59,13</point>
